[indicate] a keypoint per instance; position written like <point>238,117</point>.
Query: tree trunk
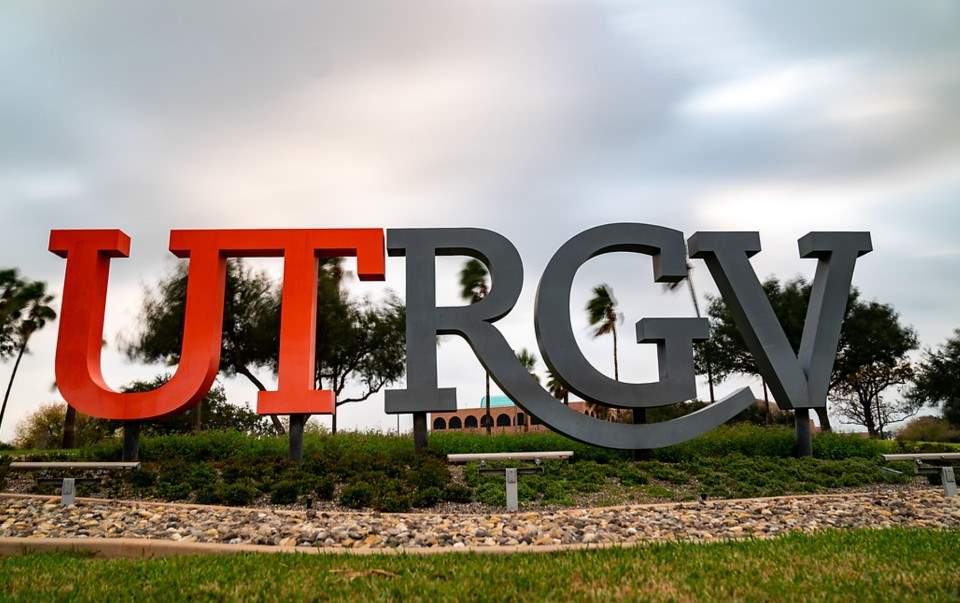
<point>198,416</point>
<point>713,398</point>
<point>69,428</point>
<point>868,419</point>
<point>824,419</point>
<point>489,417</point>
<point>13,374</point>
<point>277,425</point>
<point>295,437</point>
<point>131,440</point>
<point>616,363</point>
<point>419,431</point>
<point>804,438</point>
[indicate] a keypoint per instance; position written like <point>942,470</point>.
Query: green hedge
<point>346,447</point>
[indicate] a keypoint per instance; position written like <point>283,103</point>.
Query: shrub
<point>173,491</point>
<point>323,487</point>
<point>143,478</point>
<point>4,469</point>
<point>838,446</point>
<point>239,493</point>
<point>393,501</point>
<point>210,494</point>
<point>492,493</point>
<point>357,495</point>
<point>200,475</point>
<point>557,493</point>
<point>751,440</point>
<point>457,493</point>
<point>929,429</point>
<point>428,497</point>
<point>428,472</point>
<point>631,475</point>
<point>286,492</point>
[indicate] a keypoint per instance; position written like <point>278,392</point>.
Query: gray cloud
<point>532,118</point>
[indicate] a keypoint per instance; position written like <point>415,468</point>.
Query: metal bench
<point>68,489</point>
<point>946,474</point>
<point>510,473</point>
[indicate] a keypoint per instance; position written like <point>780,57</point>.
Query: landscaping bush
<point>173,491</point>
<point>200,475</point>
<point>929,429</point>
<point>838,446</point>
<point>143,478</point>
<point>428,497</point>
<point>4,469</point>
<point>323,488</point>
<point>239,493</point>
<point>357,495</point>
<point>457,493</point>
<point>286,492</point>
<point>210,494</point>
<point>390,495</point>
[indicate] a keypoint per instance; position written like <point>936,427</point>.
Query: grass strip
<point>861,565</point>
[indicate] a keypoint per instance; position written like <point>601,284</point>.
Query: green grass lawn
<point>861,565</point>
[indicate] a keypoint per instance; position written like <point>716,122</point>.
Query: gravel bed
<point>709,520</point>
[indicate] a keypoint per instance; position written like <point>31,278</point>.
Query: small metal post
<point>512,504</point>
<point>949,481</point>
<point>68,492</point>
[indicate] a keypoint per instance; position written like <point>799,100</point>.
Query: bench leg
<point>949,481</point>
<point>512,504</point>
<point>68,492</point>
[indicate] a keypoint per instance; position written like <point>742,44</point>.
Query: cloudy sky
<point>534,119</point>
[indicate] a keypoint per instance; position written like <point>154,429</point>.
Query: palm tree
<point>473,288</point>
<point>603,316</point>
<point>33,313</point>
<point>557,388</point>
<point>529,362</point>
<point>673,287</point>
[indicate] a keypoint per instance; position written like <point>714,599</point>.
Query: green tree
<point>43,428</point>
<point>217,412</point>
<point>937,379</point>
<point>360,345</point>
<point>871,353</point>
<point>873,358</point>
<point>24,309</point>
<point>473,288</point>
<point>251,324</point>
<point>727,353</point>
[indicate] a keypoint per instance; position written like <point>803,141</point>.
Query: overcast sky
<point>534,119</point>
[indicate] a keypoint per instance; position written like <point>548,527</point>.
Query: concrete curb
<point>136,548</point>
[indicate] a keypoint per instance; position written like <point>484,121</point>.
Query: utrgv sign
<point>798,381</point>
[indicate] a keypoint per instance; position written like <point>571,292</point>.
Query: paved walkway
<point>43,517</point>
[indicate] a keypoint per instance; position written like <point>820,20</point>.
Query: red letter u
<point>88,254</point>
